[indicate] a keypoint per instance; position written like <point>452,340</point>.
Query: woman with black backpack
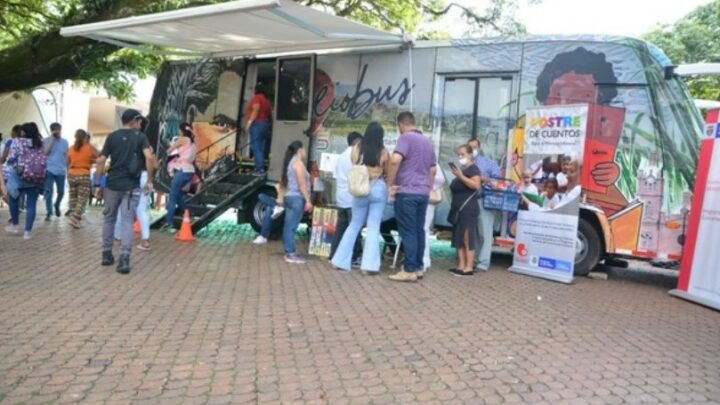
<point>28,162</point>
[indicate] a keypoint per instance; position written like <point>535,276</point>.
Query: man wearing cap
<point>258,126</point>
<point>130,154</point>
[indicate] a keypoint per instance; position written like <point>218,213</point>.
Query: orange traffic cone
<point>185,234</point>
<point>136,227</point>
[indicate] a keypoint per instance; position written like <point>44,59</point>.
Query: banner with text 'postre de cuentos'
<point>553,146</point>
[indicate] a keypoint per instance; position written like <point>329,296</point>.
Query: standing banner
<point>699,279</point>
<point>547,224</point>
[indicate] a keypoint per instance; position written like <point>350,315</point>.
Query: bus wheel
<point>588,248</point>
<point>256,215</point>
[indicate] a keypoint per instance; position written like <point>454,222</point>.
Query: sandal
<point>143,246</point>
<point>74,223</point>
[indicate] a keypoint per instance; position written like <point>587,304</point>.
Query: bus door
<point>292,114</point>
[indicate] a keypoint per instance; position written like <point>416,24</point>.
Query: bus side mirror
<point>669,72</point>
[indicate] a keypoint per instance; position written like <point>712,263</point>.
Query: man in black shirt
<point>130,154</point>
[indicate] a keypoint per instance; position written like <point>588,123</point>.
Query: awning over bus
<point>237,28</point>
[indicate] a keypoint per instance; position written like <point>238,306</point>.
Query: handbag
<point>454,216</point>
<point>359,180</point>
<point>436,196</point>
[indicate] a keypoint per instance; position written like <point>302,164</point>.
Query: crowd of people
<point>407,179</point>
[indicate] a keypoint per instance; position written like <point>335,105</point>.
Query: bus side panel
<point>202,93</point>
<point>630,169</point>
<point>353,90</point>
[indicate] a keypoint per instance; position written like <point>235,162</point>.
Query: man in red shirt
<point>258,126</point>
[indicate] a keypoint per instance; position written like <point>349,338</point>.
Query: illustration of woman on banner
<point>581,76</point>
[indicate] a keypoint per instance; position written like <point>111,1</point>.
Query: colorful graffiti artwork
<point>205,94</point>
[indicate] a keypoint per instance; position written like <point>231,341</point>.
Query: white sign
<point>547,224</point>
<point>699,279</point>
<point>328,161</point>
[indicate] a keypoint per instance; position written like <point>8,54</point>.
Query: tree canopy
<point>33,53</point>
<point>694,38</point>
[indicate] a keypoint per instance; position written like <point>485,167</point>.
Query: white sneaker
<point>27,235</point>
<point>260,240</point>
<point>12,229</point>
<point>277,211</point>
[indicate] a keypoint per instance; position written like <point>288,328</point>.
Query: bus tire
<point>255,215</point>
<point>589,250</point>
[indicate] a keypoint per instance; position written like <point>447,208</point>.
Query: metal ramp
<point>216,198</point>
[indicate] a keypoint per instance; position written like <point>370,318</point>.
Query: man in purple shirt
<point>486,220</point>
<point>410,177</point>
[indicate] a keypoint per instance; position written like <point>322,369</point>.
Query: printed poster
<point>547,223</point>
<point>324,221</point>
<point>699,278</point>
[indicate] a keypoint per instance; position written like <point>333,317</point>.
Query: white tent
<point>237,28</point>
<point>16,108</point>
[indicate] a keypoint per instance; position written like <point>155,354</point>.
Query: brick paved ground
<point>223,321</point>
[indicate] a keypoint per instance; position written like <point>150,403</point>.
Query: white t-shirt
<point>439,178</point>
<point>562,179</point>
<point>553,202</point>
<point>530,189</point>
<point>343,198</point>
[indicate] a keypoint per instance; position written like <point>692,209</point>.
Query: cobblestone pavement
<point>223,321</point>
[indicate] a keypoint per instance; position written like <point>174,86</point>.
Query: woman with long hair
<point>296,183</point>
<point>81,157</point>
<point>182,169</point>
<point>28,162</point>
<point>371,153</point>
<point>464,210</point>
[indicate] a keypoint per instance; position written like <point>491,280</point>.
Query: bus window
<point>294,90</point>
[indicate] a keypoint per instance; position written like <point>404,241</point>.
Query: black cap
<point>131,114</point>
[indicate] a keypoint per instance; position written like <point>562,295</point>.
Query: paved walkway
<point>223,321</point>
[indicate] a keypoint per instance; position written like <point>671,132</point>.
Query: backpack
<point>32,164</point>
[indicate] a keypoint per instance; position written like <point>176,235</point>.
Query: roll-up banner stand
<point>699,279</point>
<point>547,224</point>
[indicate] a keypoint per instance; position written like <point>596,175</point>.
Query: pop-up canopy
<point>237,28</point>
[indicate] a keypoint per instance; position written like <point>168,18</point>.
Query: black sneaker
<point>57,211</point>
<point>123,264</point>
<point>107,258</point>
<point>47,218</point>
<point>68,213</point>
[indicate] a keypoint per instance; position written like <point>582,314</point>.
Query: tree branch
<point>469,13</point>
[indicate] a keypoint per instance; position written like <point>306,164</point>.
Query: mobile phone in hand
<point>452,165</point>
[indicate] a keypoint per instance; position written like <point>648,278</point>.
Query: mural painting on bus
<point>205,94</point>
<point>618,160</point>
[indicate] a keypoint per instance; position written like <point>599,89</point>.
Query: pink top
<point>184,161</point>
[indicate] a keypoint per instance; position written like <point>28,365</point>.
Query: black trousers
<point>344,218</point>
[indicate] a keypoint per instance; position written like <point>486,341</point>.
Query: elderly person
<point>464,210</point>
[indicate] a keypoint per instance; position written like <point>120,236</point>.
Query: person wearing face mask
<point>489,169</point>
<point>464,211</point>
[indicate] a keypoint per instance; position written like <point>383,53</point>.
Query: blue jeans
<point>410,210</point>
<point>258,136</point>
<point>176,198</point>
<point>32,194</point>
<point>294,208</point>
<point>142,213</point>
<point>269,204</point>
<point>59,182</point>
<point>366,210</point>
